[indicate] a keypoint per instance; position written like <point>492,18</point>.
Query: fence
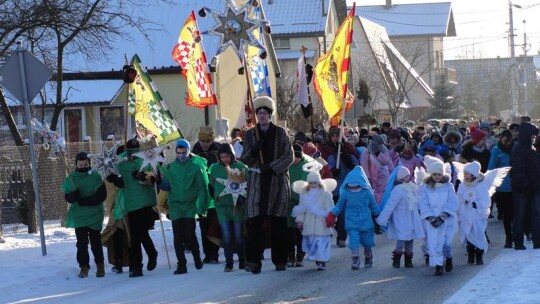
<point>17,198</point>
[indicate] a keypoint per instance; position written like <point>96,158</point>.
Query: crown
<point>236,175</point>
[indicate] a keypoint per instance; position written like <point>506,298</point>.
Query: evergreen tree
<point>443,103</point>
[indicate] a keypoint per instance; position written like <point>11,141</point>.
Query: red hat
<point>477,135</point>
<point>309,148</point>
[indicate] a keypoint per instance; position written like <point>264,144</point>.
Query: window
<point>111,122</point>
<point>74,127</point>
<point>282,43</point>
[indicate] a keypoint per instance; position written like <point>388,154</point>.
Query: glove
<point>330,220</point>
<point>111,178</point>
<point>474,205</point>
<point>300,226</point>
<point>265,169</point>
<point>139,175</point>
<point>257,147</point>
<point>72,197</point>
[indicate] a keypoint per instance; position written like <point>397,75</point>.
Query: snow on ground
<point>29,277</point>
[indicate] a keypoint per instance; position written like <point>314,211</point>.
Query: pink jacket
<point>377,169</point>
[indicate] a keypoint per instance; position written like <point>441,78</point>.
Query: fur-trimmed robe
<point>280,190</point>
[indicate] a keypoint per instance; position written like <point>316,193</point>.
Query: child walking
<point>315,201</point>
<point>356,199</point>
<point>86,193</point>
<point>401,214</point>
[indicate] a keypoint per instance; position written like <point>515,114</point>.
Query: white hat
<point>402,172</point>
<point>329,184</point>
<point>264,101</point>
<point>314,177</point>
<point>435,165</point>
<point>473,168</point>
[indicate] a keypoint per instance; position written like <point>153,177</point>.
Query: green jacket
<point>296,173</point>
<point>136,194</point>
<point>188,193</point>
<point>84,216</point>
<point>226,211</point>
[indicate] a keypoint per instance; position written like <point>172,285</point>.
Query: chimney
<point>388,4</point>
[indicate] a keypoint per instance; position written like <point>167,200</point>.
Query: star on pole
<point>233,188</point>
<point>51,139</point>
<point>152,157</point>
<point>106,162</point>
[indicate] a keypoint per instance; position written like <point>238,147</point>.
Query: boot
<point>136,272</point>
<point>470,253</point>
<point>84,271</point>
<point>117,268</point>
<point>180,269</point>
<point>291,260</point>
<point>299,260</point>
<point>448,265</point>
<point>396,258</point>
<point>408,260</point>
<point>355,263</point>
<point>198,262</point>
<point>100,270</point>
<point>368,261</point>
<point>508,243</point>
<point>228,267</point>
<point>152,262</point>
<point>241,263</point>
<point>438,270</point>
<point>479,257</point>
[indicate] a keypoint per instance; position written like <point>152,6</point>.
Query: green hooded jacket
<point>225,209</point>
<point>84,216</point>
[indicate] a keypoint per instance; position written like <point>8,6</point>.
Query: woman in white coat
<point>438,206</point>
<point>474,195</point>
<point>315,202</point>
<point>401,214</point>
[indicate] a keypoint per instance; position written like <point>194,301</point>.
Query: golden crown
<point>236,175</point>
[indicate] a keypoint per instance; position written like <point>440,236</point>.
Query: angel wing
<point>420,175</point>
<point>494,178</point>
<point>459,167</point>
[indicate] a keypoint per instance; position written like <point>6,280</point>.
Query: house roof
<point>415,19</point>
<point>296,17</point>
<point>78,92</point>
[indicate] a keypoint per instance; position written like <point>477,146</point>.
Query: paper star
<point>106,162</point>
<point>235,184</point>
<point>236,28</point>
<point>51,139</point>
<point>151,158</point>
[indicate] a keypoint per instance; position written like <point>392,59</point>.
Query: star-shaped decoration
<point>152,157</point>
<point>51,139</point>
<point>106,162</point>
<point>235,28</point>
<point>233,185</point>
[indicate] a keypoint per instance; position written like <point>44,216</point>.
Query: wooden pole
<point>249,82</point>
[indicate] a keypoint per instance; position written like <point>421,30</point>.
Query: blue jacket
<point>359,207</point>
<point>499,159</point>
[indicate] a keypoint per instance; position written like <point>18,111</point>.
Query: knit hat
<point>182,143</point>
<point>484,125</point>
<point>402,172</point>
<point>434,165</point>
<point>132,146</point>
<point>374,147</point>
<point>309,149</point>
<point>314,177</point>
<point>477,135</point>
<point>514,127</point>
<point>377,139</point>
<point>473,168</point>
<point>206,134</point>
<point>505,133</point>
<point>297,150</point>
<point>394,133</point>
<point>364,133</point>
<point>226,148</point>
<point>333,131</point>
<point>386,124</point>
<point>300,136</point>
<point>264,102</point>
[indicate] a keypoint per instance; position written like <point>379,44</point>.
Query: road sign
<point>37,74</point>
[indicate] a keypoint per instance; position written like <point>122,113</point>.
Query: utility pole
<point>525,94</point>
<point>515,107</point>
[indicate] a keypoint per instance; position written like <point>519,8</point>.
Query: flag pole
<point>303,51</point>
<point>249,81</point>
<point>344,103</point>
<point>126,105</point>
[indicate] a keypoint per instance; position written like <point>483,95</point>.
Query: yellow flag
<point>332,72</point>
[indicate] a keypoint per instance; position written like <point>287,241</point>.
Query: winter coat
<point>187,184</point>
<point>136,194</point>
<point>411,164</point>
<point>296,173</point>
<point>401,213</point>
<point>278,191</point>
<point>473,221</point>
<point>312,210</point>
<point>87,210</point>
<point>344,168</point>
<point>359,207</point>
<point>523,159</point>
<point>330,147</point>
<point>377,169</point>
<point>500,158</point>
<point>211,156</point>
<point>469,155</point>
<point>225,209</point>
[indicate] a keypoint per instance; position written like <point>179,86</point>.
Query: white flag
<point>303,97</point>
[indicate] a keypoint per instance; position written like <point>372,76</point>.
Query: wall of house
<point>425,54</point>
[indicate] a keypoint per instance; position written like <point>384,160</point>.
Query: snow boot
<point>438,270</point>
<point>100,270</point>
<point>84,271</point>
<point>479,257</point>
<point>355,263</point>
<point>396,258</point>
<point>180,269</point>
<point>368,261</point>
<point>299,260</point>
<point>470,253</point>
<point>198,262</point>
<point>508,242</point>
<point>448,265</point>
<point>408,260</point>
<point>135,272</point>
<point>117,268</point>
<point>152,262</point>
<point>291,260</point>
<point>241,263</point>
<point>320,265</point>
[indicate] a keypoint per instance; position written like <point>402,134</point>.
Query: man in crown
<point>268,152</point>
